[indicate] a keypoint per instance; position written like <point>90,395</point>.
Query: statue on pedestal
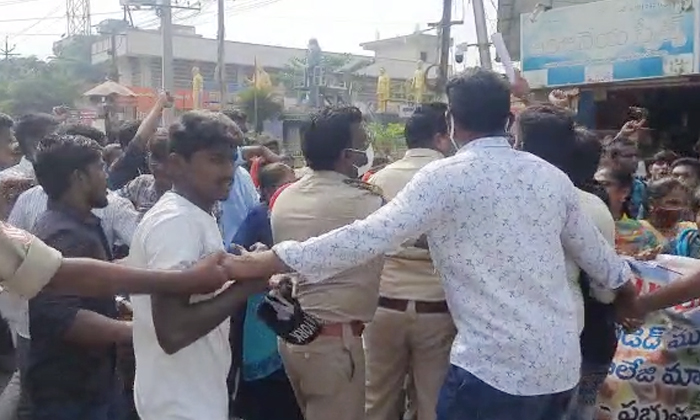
<point>418,83</point>
<point>383,90</point>
<point>313,60</point>
<point>197,89</point>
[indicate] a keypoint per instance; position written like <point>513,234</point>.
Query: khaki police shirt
<point>409,272</point>
<point>26,263</point>
<point>318,203</point>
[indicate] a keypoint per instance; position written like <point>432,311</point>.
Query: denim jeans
<point>465,397</point>
<point>110,409</point>
<point>584,403</point>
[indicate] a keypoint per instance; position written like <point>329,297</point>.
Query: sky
<point>31,26</point>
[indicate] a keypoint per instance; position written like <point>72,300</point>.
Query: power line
<point>35,24</point>
<point>118,12</point>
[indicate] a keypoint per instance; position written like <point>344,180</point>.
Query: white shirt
<point>190,384</point>
<point>119,220</point>
<point>23,169</point>
<point>596,209</point>
<point>498,221</point>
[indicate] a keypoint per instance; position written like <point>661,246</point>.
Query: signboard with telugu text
<point>656,370</point>
<point>608,41</point>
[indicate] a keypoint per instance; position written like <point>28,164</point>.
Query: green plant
<point>260,104</point>
<point>386,138</point>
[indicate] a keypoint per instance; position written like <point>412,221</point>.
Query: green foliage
<point>292,75</point>
<point>28,84</point>
<point>386,138</point>
<point>260,105</point>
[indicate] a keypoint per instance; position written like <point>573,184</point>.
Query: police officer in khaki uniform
<point>27,265</point>
<point>328,375</point>
<point>412,331</point>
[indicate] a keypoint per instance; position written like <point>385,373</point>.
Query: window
<point>423,56</point>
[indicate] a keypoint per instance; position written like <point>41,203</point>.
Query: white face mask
<point>369,154</point>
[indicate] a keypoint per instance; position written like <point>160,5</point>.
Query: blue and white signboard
<point>608,41</point>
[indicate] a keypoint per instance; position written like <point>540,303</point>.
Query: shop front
<point>621,54</point>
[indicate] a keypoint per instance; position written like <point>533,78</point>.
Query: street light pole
<point>482,36</point>
<point>166,28</point>
<point>221,55</point>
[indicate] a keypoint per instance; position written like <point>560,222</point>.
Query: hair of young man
<point>127,131</point>
<point>612,148</point>
<point>158,148</point>
<point>30,128</point>
<point>660,188</point>
<point>6,121</point>
<point>83,130</point>
<point>693,164</point>
<point>236,115</point>
<point>200,130</point>
<point>59,156</point>
<point>547,131</point>
<point>479,101</point>
<point>588,152</point>
<point>665,156</point>
<point>327,134</point>
<point>272,174</point>
<point>425,122</point>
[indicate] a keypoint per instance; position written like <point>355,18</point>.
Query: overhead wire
<point>35,24</point>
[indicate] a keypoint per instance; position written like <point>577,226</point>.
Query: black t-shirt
<point>58,370</point>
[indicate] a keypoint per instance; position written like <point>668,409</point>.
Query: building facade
<point>137,55</point>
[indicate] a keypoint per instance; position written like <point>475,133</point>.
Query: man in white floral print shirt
<point>498,222</point>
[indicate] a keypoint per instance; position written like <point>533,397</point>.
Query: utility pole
<point>444,35</point>
<point>8,51</point>
<point>114,68</point>
<point>221,55</point>
<point>444,39</point>
<point>482,36</point>
<point>168,77</point>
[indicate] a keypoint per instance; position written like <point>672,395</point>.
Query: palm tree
<point>260,104</point>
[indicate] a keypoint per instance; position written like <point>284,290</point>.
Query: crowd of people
<point>480,276</point>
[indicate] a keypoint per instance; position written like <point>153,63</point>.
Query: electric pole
<point>221,55</point>
<point>8,50</point>
<point>482,36</point>
<point>114,67</point>
<point>444,35</point>
<point>168,77</point>
<point>444,39</point>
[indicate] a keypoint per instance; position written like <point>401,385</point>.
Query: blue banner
<point>608,41</point>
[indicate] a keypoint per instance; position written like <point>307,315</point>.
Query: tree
<point>292,75</point>
<point>260,104</point>
<point>387,138</point>
<point>28,84</point>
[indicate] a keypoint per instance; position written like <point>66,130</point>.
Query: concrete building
<point>138,59</point>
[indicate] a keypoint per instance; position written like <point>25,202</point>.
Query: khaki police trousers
<point>406,343</point>
<point>328,377</point>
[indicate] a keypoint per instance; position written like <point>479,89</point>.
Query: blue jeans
<point>583,405</point>
<point>465,397</point>
<point>109,409</point>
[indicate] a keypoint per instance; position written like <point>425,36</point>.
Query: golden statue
<point>383,90</point>
<point>418,83</point>
<point>197,89</point>
<point>261,80</point>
